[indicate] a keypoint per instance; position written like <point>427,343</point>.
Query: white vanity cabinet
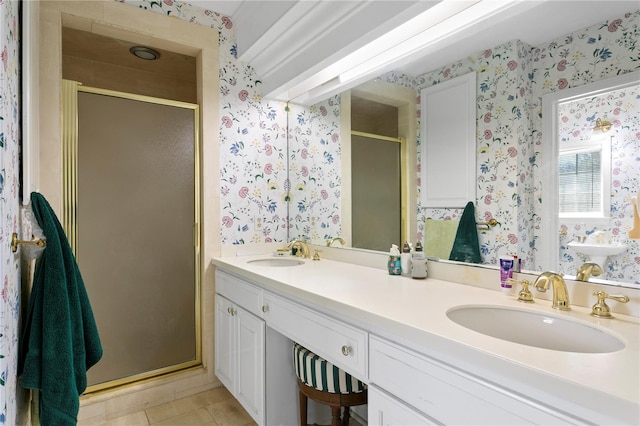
<point>240,343</point>
<point>419,369</point>
<point>445,394</point>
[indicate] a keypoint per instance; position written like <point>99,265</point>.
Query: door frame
<point>69,221</point>
<point>128,23</point>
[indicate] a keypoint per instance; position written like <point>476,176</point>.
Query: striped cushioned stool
<point>325,383</point>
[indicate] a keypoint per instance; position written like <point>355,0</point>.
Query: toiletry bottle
<point>394,265</point>
<point>419,263</point>
<point>405,259</point>
<point>506,272</point>
<point>516,264</point>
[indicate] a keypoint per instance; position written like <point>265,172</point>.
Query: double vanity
<point>431,351</point>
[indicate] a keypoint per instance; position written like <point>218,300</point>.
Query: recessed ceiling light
<point>145,53</point>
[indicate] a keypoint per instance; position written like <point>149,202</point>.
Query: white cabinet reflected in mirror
<point>448,170</point>
<point>591,132</point>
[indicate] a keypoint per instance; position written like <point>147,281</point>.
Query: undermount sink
<point>535,329</point>
<point>598,252</point>
<point>276,261</point>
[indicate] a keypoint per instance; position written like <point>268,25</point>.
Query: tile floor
<point>215,407</point>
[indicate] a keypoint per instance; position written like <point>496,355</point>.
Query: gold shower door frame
<point>69,216</point>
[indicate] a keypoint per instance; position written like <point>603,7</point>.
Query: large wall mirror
<point>591,131</point>
<point>512,151</point>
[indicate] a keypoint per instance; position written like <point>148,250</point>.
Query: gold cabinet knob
<point>265,308</point>
<point>346,350</point>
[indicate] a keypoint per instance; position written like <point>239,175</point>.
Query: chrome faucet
<point>560,293</point>
<point>588,269</point>
<point>301,247</point>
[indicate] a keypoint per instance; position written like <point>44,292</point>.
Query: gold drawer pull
<point>265,308</point>
<point>346,350</point>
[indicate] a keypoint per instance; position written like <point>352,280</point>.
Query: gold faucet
<point>601,309</point>
<point>338,239</point>
<point>588,269</point>
<point>560,293</point>
<point>301,247</point>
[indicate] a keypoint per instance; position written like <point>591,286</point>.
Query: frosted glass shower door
<point>137,213</point>
<point>376,202</point>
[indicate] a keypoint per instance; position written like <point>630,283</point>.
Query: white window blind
<point>579,176</point>
<point>584,179</point>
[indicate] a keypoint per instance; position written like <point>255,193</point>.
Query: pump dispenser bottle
<point>394,265</point>
<point>405,259</point>
<point>419,263</point>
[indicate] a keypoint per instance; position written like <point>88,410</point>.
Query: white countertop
<point>413,312</point>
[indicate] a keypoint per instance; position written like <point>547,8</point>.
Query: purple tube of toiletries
<point>506,272</point>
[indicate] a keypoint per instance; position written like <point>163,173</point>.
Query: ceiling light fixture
<point>423,33</point>
<point>414,37</point>
<point>145,53</point>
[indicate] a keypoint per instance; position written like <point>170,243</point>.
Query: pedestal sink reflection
<point>535,329</point>
<point>276,261</point>
<point>596,252</point>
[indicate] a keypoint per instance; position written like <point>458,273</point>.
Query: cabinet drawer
<point>448,395</point>
<point>341,344</point>
<point>385,410</point>
<point>240,292</point>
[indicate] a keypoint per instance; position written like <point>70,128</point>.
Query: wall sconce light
<point>602,126</point>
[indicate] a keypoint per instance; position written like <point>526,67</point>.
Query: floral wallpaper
<point>261,140</point>
<point>9,206</point>
<point>315,171</point>
<point>622,109</point>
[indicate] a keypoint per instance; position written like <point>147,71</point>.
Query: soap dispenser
<point>419,263</point>
<point>394,265</point>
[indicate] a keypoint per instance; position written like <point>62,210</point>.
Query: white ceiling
<point>293,44</point>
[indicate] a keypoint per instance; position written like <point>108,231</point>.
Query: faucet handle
<point>316,254</point>
<point>525,295</point>
<point>601,309</point>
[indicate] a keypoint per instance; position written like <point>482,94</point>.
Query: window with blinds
<point>583,179</point>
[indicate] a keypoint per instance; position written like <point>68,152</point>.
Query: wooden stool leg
<point>303,409</point>
<point>335,415</point>
<point>346,416</point>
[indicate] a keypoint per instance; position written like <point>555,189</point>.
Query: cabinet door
<point>449,132</point>
<point>251,358</point>
<point>387,411</point>
<point>225,343</point>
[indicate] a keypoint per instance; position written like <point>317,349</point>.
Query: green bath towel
<point>60,338</point>
<point>466,247</point>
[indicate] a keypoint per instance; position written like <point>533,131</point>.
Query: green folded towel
<point>439,236</point>
<point>466,247</point>
<point>60,338</point>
